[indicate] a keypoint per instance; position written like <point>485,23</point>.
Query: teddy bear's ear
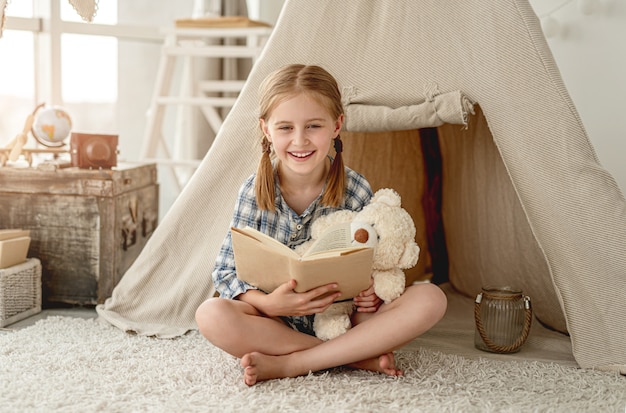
<point>387,196</point>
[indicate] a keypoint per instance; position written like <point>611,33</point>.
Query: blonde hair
<point>278,87</point>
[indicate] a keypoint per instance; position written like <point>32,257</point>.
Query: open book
<point>266,263</point>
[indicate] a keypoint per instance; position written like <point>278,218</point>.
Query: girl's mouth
<point>301,155</point>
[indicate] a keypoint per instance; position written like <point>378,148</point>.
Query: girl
<point>300,117</point>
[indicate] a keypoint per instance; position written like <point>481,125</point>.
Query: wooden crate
<point>87,226</point>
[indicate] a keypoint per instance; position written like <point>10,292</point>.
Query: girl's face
<point>301,131</point>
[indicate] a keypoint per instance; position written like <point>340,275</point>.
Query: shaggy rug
<point>82,365</point>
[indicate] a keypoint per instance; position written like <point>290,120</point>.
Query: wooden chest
<point>87,226</point>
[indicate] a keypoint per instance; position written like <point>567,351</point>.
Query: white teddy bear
<point>384,225</point>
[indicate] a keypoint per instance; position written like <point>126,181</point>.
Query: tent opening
<point>471,227</point>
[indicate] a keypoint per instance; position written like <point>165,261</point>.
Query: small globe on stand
<point>52,126</point>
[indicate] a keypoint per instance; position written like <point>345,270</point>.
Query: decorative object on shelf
<point>86,9</point>
<point>503,318</point>
<point>15,146</point>
<point>51,126</point>
<point>89,150</point>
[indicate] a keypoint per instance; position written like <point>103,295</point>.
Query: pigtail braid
<point>336,185</point>
<point>264,183</point>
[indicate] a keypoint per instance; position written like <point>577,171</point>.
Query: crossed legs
<point>269,349</point>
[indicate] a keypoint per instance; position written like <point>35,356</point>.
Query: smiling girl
<point>301,116</point>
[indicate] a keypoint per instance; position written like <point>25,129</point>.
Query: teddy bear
<point>388,228</point>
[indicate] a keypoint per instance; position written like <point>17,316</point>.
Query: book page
<point>265,240</point>
<point>336,237</point>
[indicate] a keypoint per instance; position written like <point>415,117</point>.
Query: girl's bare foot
<point>385,364</point>
<point>259,367</point>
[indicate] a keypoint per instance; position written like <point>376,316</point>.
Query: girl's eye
<point>284,128</point>
<point>314,126</point>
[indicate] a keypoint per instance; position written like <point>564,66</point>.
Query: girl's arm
<point>224,273</point>
<point>284,301</point>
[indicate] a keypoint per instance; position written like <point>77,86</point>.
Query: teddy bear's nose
<point>361,236</point>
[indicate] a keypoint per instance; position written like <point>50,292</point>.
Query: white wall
<point>138,64</point>
<point>590,51</point>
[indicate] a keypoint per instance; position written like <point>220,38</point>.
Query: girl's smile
<point>300,155</point>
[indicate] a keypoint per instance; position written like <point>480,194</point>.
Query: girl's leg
<point>238,328</point>
<point>418,309</point>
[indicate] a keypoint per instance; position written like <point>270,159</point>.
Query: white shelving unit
<point>188,44</point>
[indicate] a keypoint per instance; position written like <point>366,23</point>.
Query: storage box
<point>20,291</point>
<point>86,226</point>
<point>13,247</point>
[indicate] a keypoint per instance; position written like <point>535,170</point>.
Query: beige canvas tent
<point>514,197</point>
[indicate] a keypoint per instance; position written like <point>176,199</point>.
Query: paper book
<point>13,233</point>
<point>14,245</point>
<point>267,263</point>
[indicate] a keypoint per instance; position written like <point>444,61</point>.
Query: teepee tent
<point>508,191</point>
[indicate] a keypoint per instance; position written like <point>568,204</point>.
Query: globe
<point>52,126</point>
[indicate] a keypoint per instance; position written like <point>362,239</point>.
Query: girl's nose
<point>300,137</point>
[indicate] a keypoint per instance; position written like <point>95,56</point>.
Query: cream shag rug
<point>83,365</point>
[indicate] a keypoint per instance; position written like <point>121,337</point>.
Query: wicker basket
<point>20,291</point>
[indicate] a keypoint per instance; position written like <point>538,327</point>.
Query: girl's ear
<point>264,128</point>
<point>339,123</point>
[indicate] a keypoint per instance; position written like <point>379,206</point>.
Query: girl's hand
<point>367,301</point>
<point>284,301</point>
